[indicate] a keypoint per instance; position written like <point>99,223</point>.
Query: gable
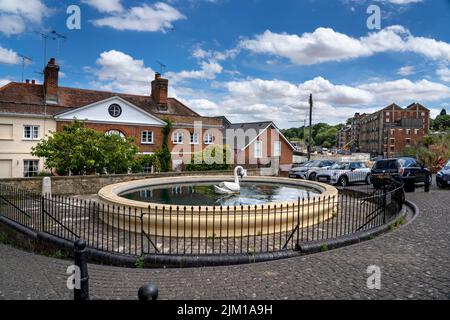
<point>99,112</point>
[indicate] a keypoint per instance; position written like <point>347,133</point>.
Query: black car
<point>406,170</point>
<point>443,176</point>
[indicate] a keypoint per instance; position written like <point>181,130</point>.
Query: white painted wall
<point>98,112</point>
<point>14,149</point>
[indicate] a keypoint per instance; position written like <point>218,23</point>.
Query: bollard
<point>80,261</point>
<point>428,179</point>
<point>148,292</point>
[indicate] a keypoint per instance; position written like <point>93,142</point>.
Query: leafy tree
<point>80,150</point>
<point>146,161</point>
<point>322,134</point>
<point>164,155</point>
<point>443,112</point>
<point>214,157</point>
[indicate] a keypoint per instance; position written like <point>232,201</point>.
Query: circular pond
<point>202,194</point>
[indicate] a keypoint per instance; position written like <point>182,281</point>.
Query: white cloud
<point>4,82</point>
<point>121,72</point>
<point>283,101</point>
<point>16,15</point>
<point>405,90</point>
<point>444,74</point>
<point>401,2</point>
<point>151,18</point>
<point>105,5</point>
<point>8,56</point>
<point>325,44</point>
<point>406,70</point>
<point>209,71</point>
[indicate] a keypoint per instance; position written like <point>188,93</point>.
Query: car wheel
<point>368,180</point>
<point>439,184</point>
<point>343,181</point>
<point>312,176</point>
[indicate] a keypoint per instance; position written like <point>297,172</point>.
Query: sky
<point>250,60</point>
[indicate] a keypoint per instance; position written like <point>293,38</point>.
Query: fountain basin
<point>194,221</point>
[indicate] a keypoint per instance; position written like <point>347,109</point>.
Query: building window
<point>115,110</point>
<point>277,149</point>
<point>408,131</point>
<point>388,114</point>
<point>147,137</point>
<point>30,168</point>
<point>416,131</point>
<point>258,149</point>
<point>209,138</point>
<point>31,132</point>
<point>194,138</point>
<point>116,132</point>
<point>178,137</point>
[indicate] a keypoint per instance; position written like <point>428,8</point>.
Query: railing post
<point>384,203</point>
<point>42,213</point>
<point>80,261</point>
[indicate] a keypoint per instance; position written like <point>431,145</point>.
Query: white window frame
<point>408,132</point>
<point>193,138</point>
<point>277,149</point>
<point>145,137</point>
<point>33,130</point>
<point>35,166</point>
<point>209,138</point>
<point>177,138</point>
<point>416,131</point>
<point>258,149</point>
<point>117,132</point>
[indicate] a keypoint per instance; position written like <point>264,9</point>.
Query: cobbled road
<point>414,262</point>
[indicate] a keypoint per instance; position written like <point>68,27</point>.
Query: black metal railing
<point>201,230</point>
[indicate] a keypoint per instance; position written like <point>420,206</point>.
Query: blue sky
<point>249,60</point>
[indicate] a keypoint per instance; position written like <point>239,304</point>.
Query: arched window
<point>119,133</point>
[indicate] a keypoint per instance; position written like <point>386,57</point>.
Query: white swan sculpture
<point>231,187</point>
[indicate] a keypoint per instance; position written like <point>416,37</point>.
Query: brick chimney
<point>160,88</point>
<point>51,72</point>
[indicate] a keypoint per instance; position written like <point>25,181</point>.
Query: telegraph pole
<point>310,126</point>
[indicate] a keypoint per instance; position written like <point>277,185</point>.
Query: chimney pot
<point>33,81</point>
<point>27,81</point>
<point>51,73</point>
<point>160,88</point>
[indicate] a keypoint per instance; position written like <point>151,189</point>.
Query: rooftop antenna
<point>24,58</point>
<point>44,37</point>
<point>58,37</point>
<point>161,67</point>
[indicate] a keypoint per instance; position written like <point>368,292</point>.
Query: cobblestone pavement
<point>414,262</point>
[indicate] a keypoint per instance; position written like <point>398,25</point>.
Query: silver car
<point>345,173</point>
<point>310,169</point>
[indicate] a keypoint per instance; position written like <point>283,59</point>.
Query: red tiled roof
<point>25,98</point>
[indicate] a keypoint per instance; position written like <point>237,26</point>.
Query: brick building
<point>388,131</point>
<point>344,137</point>
<point>30,111</point>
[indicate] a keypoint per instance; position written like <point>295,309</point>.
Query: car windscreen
<point>447,166</point>
<point>312,164</point>
<point>386,164</point>
<point>340,166</point>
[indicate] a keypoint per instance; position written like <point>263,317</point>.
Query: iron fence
<point>199,231</point>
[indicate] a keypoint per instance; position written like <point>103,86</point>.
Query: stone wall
<point>92,184</point>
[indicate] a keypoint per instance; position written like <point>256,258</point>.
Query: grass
<point>397,224</point>
<point>4,239</point>
<point>139,263</point>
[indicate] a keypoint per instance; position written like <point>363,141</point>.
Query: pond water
<point>204,195</point>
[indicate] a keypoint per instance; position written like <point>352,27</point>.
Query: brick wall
<point>92,184</point>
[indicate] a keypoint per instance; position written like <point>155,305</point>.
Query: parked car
<point>347,172</point>
<point>310,169</point>
<point>406,170</point>
<point>443,176</point>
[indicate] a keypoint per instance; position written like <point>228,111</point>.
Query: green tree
<point>82,150</point>
<point>443,112</point>
<point>164,155</point>
<point>142,162</point>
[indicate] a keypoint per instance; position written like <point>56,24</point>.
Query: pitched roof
<point>27,98</point>
<point>252,131</point>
